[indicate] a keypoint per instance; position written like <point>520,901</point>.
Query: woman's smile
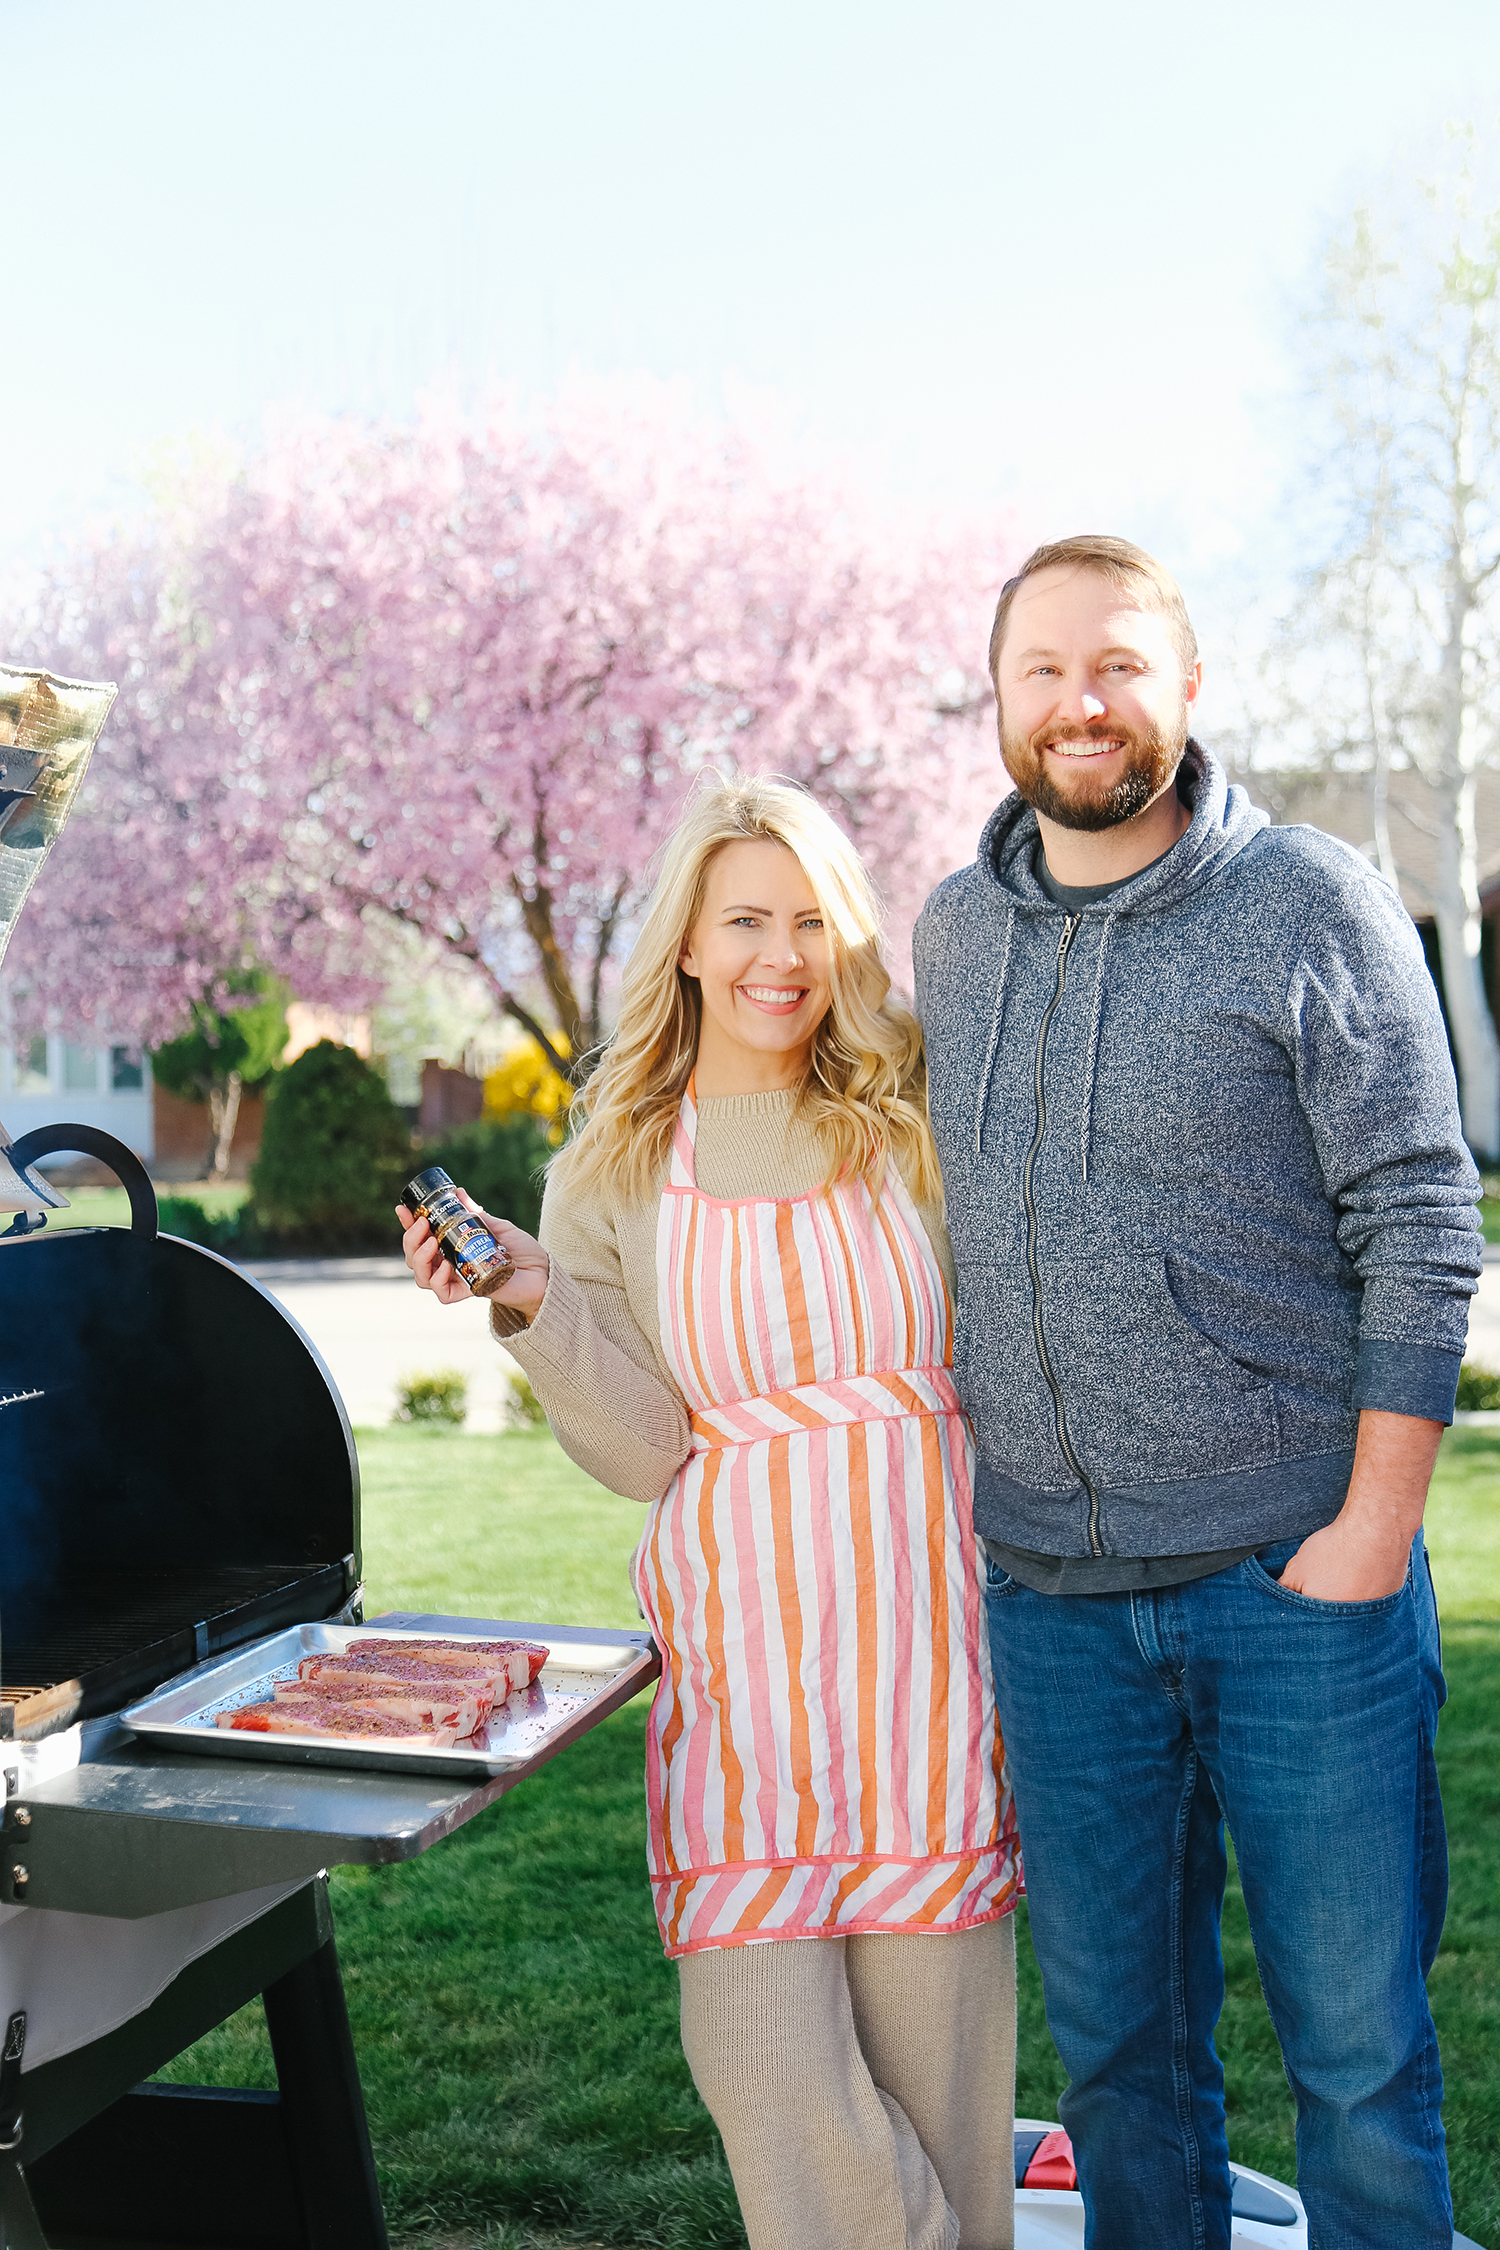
<point>776,1000</point>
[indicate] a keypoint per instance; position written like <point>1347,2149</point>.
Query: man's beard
<point>1151,759</point>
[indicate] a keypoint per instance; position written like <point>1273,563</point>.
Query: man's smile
<point>1085,746</point>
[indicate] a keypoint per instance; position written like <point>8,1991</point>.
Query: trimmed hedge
<point>442,1397</point>
<point>334,1155</point>
<point>499,1161</point>
<point>1478,1389</point>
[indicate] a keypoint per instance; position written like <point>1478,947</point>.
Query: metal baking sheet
<point>585,1674</point>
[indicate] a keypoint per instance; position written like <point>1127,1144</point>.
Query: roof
<point>1339,803</point>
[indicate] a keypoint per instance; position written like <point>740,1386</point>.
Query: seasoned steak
<point>315,1715</point>
<point>521,1661</point>
<point>449,1707</point>
<point>357,1671</point>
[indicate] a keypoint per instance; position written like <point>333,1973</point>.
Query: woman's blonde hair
<point>865,1089</point>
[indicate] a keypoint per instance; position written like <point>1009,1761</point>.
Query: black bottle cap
<point>426,1184</point>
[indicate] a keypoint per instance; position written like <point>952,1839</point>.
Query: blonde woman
<point>739,1313</point>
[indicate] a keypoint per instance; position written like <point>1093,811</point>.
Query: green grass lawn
<point>516,2023</point>
<point>1489,1209</point>
<point>110,1206</point>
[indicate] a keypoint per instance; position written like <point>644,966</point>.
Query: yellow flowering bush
<point>527,1084</point>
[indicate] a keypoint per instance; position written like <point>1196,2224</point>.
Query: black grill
<point>176,1471</point>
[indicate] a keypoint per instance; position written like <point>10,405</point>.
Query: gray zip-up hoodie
<point>1204,1177</point>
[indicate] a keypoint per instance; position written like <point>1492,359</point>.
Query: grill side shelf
<point>133,1831</point>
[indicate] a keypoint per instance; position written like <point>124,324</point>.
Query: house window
<point>126,1075</point>
<point>80,1070</point>
<point>31,1067</point>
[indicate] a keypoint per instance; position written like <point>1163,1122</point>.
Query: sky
<point>1035,262</point>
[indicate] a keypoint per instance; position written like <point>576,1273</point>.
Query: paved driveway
<point>373,1325</point>
<point>1484,1314</point>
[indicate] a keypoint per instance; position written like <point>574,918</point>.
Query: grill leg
<point>323,2106</point>
<point>20,2228</point>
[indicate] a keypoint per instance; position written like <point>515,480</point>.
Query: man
<point>1213,1221</point>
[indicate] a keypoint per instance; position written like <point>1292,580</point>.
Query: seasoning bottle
<point>466,1242</point>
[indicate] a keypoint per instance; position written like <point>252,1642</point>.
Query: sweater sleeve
<point>595,1373</point>
<point>1375,1083</point>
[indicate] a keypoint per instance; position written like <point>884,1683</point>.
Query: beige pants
<point>864,2087</point>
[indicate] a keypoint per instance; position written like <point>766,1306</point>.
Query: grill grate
<point>95,1623</point>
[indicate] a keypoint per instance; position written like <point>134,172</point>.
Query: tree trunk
<point>223,1116</point>
<point>609,923</point>
<point>1456,910</point>
<point>1380,772</point>
<point>536,915</point>
<point>1456,891</point>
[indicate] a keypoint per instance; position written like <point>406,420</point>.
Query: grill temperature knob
<point>20,1876</point>
<point>22,1816</point>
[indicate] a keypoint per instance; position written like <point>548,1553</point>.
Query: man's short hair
<point>1130,568</point>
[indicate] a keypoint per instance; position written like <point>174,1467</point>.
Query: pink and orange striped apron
<point>823,1755</point>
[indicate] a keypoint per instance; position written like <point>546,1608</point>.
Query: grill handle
<point>87,1140</point>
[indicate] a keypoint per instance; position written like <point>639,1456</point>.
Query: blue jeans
<point>1136,1725</point>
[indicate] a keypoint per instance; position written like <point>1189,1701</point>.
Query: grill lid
<point>177,1472</point>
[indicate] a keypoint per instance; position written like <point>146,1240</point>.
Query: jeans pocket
<point>997,1582</point>
<point>1259,1577</point>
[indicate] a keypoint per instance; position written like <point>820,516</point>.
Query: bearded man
<point>1214,1227</point>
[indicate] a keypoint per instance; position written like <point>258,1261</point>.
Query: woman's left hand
<point>524,1291</point>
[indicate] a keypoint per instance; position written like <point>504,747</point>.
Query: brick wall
<point>449,1097</point>
<point>182,1136</point>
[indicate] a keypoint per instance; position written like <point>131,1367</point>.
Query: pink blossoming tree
<point>460,675</point>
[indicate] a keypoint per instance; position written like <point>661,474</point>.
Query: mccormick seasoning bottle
<point>466,1242</point>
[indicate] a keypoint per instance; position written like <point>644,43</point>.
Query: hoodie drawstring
<point>982,1100</point>
<point>1091,1066</point>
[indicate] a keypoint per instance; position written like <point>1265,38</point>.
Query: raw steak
<point>522,1660</point>
<point>450,1707</point>
<point>316,1716</point>
<point>355,1672</point>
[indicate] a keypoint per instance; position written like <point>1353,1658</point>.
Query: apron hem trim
<point>867,1927</point>
<point>1005,1848</point>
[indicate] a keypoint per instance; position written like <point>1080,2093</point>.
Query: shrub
<point>441,1397</point>
<point>526,1408</point>
<point>498,1160</point>
<point>1478,1389</point>
<point>334,1154</point>
<point>224,1231</point>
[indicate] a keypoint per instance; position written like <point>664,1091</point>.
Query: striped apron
<point>823,1755</point>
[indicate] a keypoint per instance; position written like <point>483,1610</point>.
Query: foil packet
<point>48,728</point>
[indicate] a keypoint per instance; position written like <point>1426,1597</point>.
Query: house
<point>1340,803</point>
<point>54,1081</point>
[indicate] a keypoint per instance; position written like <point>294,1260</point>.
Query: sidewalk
<point>372,1325</point>
<point>1484,1314</point>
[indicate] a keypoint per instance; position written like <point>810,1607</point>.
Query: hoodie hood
<point>1223,822</point>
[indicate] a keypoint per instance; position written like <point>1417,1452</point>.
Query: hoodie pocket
<point>999,1376</point>
<point>1150,1398</point>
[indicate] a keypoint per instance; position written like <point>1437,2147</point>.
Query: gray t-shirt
<point>1100,1574</point>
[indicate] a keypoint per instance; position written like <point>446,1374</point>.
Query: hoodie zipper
<point>1070,926</point>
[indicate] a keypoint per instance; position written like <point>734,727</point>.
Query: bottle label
<point>472,1248</point>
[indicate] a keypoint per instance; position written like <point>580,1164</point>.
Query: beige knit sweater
<point>593,1353</point>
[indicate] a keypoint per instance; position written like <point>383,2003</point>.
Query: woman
<point>739,1313</point>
